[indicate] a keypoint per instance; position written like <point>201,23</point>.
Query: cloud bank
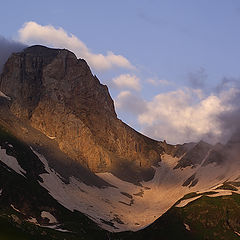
<point>187,114</point>
<point>7,47</point>
<point>34,33</point>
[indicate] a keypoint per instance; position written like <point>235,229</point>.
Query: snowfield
<point>130,207</point>
<point>126,206</point>
<point>49,216</point>
<point>11,162</point>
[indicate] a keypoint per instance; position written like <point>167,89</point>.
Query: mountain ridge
<point>59,132</point>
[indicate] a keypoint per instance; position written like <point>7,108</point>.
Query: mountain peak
<point>46,52</point>
<point>39,71</point>
<point>40,50</point>
<point>58,95</point>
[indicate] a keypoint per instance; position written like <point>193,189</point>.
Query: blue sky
<point>174,46</point>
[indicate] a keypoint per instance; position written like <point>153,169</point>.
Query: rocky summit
<point>58,95</point>
<point>71,170</point>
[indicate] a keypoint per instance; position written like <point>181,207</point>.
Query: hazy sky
<point>172,66</point>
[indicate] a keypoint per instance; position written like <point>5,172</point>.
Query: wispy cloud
<point>128,102</point>
<point>157,82</point>
<point>7,47</point>
<point>197,79</point>
<point>34,33</point>
<point>230,120</point>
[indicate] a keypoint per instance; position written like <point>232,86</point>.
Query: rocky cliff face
<point>57,94</point>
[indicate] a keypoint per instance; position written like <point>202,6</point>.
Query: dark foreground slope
<point>23,199</point>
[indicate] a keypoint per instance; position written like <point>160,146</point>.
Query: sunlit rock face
<point>58,95</point>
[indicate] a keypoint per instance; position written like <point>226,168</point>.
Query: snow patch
<point>11,162</point>
<point>5,96</point>
<point>184,202</point>
<point>17,210</point>
<point>237,233</point>
<point>33,220</point>
<point>51,137</point>
<point>49,216</point>
<point>55,227</point>
<point>10,145</point>
<point>62,230</point>
<point>221,193</point>
<point>187,227</point>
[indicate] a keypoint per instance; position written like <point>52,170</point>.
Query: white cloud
<point>127,81</point>
<point>185,115</point>
<point>157,82</point>
<point>34,33</point>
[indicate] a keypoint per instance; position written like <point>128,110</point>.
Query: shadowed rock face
<point>57,94</point>
<point>194,156</point>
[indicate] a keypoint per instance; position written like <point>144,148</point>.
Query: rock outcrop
<point>57,94</point>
